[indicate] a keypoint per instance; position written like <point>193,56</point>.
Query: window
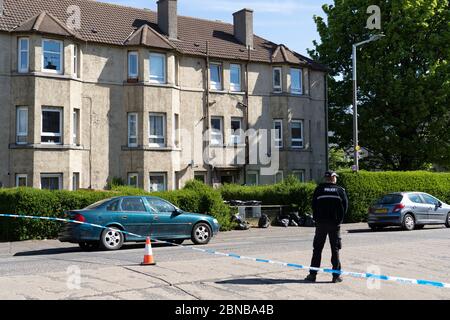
<point>215,70</point>
<point>236,130</point>
<point>133,180</point>
<point>278,126</point>
<point>114,206</point>
<point>252,178</point>
<point>52,53</point>
<point>21,180</point>
<point>157,136</point>
<point>429,199</point>
<point>157,68</point>
<point>216,131</point>
<point>22,125</point>
<point>277,81</point>
<point>132,130</point>
<point>235,77</point>
<point>51,181</point>
<point>279,177</point>
<point>76,181</point>
<point>133,205</point>
<point>415,198</point>
<point>76,60</point>
<point>200,176</point>
<point>297,134</point>
<point>157,182</point>
<point>76,127</point>
<point>133,65</point>
<point>299,174</point>
<point>160,205</point>
<point>51,126</point>
<point>296,81</point>
<point>23,55</point>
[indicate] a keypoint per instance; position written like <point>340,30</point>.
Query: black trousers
<point>334,234</point>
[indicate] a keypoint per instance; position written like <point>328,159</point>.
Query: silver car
<point>410,210</point>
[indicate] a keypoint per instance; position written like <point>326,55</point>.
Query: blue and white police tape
<point>235,256</point>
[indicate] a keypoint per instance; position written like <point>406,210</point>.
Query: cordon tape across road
<point>235,256</point>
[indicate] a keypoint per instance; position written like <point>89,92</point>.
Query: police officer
<point>330,204</point>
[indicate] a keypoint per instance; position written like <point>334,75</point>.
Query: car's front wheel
<point>408,222</point>
<point>111,239</point>
<point>201,233</point>
<point>447,222</point>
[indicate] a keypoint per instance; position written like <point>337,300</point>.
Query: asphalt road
<point>53,270</point>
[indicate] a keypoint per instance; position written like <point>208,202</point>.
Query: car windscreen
<point>97,204</point>
<point>390,199</point>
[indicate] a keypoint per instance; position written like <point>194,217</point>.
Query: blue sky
<point>282,21</point>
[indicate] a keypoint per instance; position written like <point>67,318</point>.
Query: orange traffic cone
<point>148,256</point>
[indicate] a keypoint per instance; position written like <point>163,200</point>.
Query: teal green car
<point>143,216</point>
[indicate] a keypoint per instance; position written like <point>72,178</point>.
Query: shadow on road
<point>392,229</point>
<point>55,251</point>
<point>263,281</point>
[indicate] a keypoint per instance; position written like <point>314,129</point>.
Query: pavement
<point>53,270</point>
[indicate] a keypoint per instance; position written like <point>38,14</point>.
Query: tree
<point>338,160</point>
<point>403,80</point>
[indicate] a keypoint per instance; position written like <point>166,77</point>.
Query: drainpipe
<point>90,140</point>
<point>247,106</point>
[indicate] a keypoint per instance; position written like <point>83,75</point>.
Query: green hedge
<point>289,192</point>
<point>195,197</point>
<point>364,188</point>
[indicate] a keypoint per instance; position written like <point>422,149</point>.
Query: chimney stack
<point>168,17</point>
<point>243,27</point>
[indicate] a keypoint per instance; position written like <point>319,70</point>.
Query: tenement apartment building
<point>91,91</point>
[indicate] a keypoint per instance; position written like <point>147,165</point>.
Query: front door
<point>167,222</point>
<point>420,208</point>
<point>435,213</point>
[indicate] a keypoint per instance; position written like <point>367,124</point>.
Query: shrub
<point>34,202</point>
<point>364,188</point>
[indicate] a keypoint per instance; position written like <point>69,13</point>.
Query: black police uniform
<point>330,204</point>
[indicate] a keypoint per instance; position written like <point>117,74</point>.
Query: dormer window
<point>133,65</point>
<point>277,82</point>
<point>296,81</point>
<point>216,76</point>
<point>157,68</point>
<point>52,56</point>
<point>23,50</point>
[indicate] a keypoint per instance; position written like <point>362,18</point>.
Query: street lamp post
<point>355,99</point>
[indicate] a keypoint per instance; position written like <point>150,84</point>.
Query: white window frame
<point>233,86</point>
<point>282,176</point>
<point>132,75</point>
<point>75,181</point>
<point>133,175</point>
<point>158,80</point>
<point>293,72</point>
<point>302,173</point>
<point>213,84</point>
<point>278,141</point>
<point>157,174</point>
<point>20,50</point>
<point>52,134</point>
<point>21,176</point>
<point>201,173</point>
<point>256,173</point>
<point>215,133</point>
<point>18,133</point>
<point>76,127</point>
<point>277,88</point>
<point>61,57</point>
<point>302,140</point>
<point>236,138</point>
<point>130,136</point>
<point>157,145</point>
<point>76,60</point>
<point>51,175</point>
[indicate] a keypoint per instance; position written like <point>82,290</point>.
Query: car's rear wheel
<point>111,239</point>
<point>201,233</point>
<point>89,245</point>
<point>408,222</point>
<point>447,222</point>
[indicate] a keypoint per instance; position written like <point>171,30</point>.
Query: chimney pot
<point>243,26</point>
<point>168,17</point>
